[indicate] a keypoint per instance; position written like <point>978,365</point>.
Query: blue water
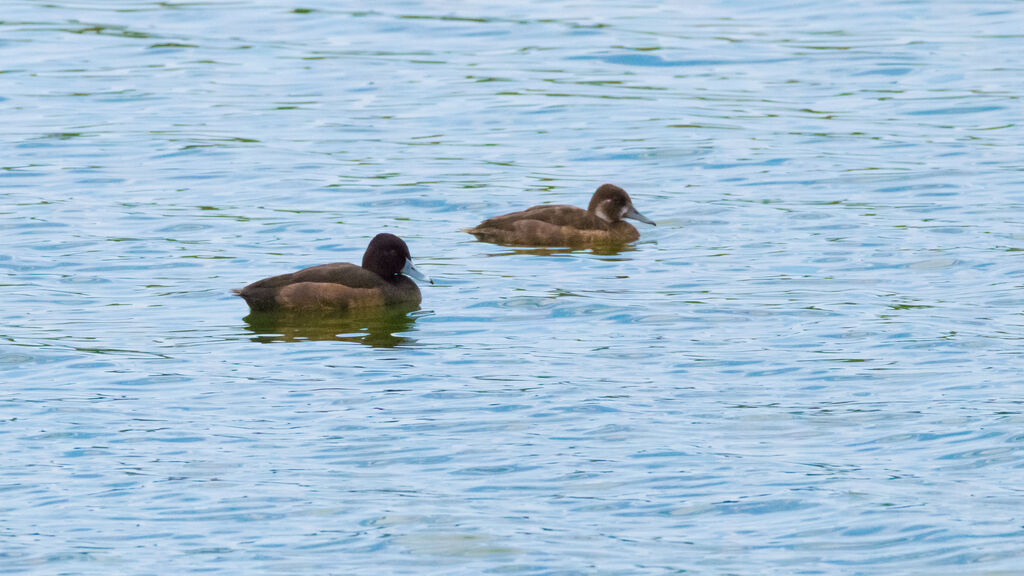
<point>812,365</point>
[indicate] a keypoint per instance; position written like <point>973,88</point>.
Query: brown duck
<point>562,225</point>
<point>382,280</point>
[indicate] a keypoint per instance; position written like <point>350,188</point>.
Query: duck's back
<point>336,273</point>
<point>339,286</point>
<point>552,225</point>
<point>555,214</point>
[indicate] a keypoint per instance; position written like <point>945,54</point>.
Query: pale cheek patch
<point>602,212</point>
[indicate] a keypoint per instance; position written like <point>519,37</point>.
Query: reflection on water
<point>380,329</point>
<point>598,250</point>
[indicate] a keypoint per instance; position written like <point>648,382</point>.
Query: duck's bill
<point>411,271</point>
<point>632,213</point>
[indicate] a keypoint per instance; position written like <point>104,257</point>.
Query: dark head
<point>387,256</point>
<point>611,204</point>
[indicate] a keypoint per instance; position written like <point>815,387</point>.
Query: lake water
<point>812,365</point>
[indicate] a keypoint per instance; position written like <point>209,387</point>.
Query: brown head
<point>611,204</point>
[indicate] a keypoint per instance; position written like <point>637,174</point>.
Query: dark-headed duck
<point>382,280</point>
<point>562,225</point>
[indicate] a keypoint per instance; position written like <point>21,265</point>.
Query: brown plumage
<point>562,225</point>
<point>343,286</point>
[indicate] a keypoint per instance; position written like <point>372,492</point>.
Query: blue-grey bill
<point>632,213</point>
<point>411,271</point>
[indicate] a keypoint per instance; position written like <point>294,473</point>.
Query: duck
<point>563,225</point>
<point>383,280</point>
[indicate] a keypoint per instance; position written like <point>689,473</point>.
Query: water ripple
<point>810,364</point>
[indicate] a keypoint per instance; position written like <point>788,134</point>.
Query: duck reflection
<point>598,250</point>
<point>380,329</point>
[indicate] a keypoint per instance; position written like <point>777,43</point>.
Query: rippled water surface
<point>811,365</point>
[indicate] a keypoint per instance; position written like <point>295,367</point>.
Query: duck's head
<point>388,256</point>
<point>611,204</point>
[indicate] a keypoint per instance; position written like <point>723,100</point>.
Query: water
<point>811,365</point>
